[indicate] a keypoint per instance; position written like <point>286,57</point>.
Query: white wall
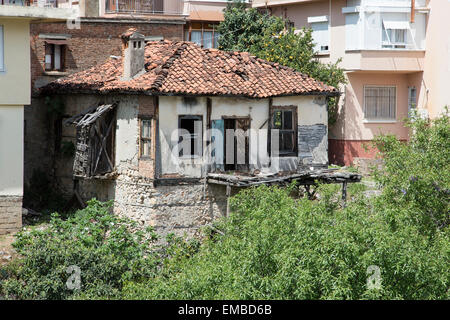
<point>11,150</point>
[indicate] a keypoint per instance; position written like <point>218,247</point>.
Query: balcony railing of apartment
<point>163,7</point>
<point>40,3</point>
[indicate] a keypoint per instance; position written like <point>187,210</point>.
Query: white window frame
<point>412,100</point>
<point>321,20</point>
<point>380,120</point>
<point>2,49</point>
<point>394,26</point>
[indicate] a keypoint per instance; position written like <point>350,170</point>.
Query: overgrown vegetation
<point>416,175</point>
<point>273,246</point>
<point>270,38</point>
<point>107,249</point>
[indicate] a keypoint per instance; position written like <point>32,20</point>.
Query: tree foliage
<point>416,174</point>
<point>275,247</point>
<point>107,249</point>
<point>270,38</point>
<point>272,246</point>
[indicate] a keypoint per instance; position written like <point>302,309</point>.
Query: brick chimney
<point>133,44</point>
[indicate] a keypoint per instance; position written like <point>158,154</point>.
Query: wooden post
<point>413,10</point>
<point>344,194</point>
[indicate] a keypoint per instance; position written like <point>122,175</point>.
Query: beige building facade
<point>396,55</point>
<point>15,94</point>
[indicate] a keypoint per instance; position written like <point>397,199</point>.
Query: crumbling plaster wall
<point>312,127</point>
<point>312,130</point>
<point>179,207</point>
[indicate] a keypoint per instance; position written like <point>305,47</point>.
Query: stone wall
<point>10,214</point>
<point>181,209</point>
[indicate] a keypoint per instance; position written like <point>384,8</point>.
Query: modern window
<point>380,102</point>
<point>2,49</point>
<point>146,138</point>
<point>203,34</point>
<point>412,98</point>
<point>395,34</point>
<point>55,55</point>
<point>284,119</point>
<point>190,137</point>
<point>320,34</point>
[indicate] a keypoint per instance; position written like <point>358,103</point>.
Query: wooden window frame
<point>294,130</point>
<point>204,28</point>
<point>52,54</point>
<point>150,139</point>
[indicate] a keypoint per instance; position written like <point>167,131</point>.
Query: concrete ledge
<point>38,12</point>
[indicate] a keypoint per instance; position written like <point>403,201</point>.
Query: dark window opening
<point>192,133</point>
<point>285,121</point>
<point>54,57</point>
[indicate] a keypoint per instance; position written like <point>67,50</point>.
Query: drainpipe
<point>413,10</point>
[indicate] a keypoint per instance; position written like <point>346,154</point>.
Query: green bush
<point>275,247</point>
<point>416,174</point>
<point>107,249</point>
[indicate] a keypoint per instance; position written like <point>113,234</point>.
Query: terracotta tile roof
<point>183,68</point>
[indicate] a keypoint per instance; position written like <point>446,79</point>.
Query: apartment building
<point>203,18</point>
<point>396,55</point>
<point>15,94</point>
<point>59,49</point>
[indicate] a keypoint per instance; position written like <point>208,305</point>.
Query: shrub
<point>275,247</point>
<point>416,174</point>
<point>107,249</point>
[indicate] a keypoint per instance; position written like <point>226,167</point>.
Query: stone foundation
<point>179,209</point>
<point>10,214</point>
<point>174,206</point>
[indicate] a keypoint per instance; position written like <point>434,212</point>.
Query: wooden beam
<point>413,10</point>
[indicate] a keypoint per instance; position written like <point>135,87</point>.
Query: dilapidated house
<point>159,128</point>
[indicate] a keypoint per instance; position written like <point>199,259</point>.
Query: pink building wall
<point>427,70</point>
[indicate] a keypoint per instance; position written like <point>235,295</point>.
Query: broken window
<point>284,119</point>
<point>190,137</point>
<point>54,55</point>
<point>146,138</point>
<point>94,152</point>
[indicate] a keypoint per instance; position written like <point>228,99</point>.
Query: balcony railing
<point>163,7</point>
<point>38,3</point>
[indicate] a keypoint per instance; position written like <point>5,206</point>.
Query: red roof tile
<point>183,68</point>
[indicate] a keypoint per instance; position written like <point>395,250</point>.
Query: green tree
<point>270,38</point>
<point>416,174</point>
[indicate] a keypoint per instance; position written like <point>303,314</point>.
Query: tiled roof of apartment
<point>184,68</point>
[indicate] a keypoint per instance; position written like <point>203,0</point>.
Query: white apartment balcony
<point>39,9</point>
<point>384,36</point>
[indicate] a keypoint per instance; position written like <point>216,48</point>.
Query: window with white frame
<point>412,98</point>
<point>320,32</point>
<point>380,102</point>
<point>2,64</point>
<point>395,34</point>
